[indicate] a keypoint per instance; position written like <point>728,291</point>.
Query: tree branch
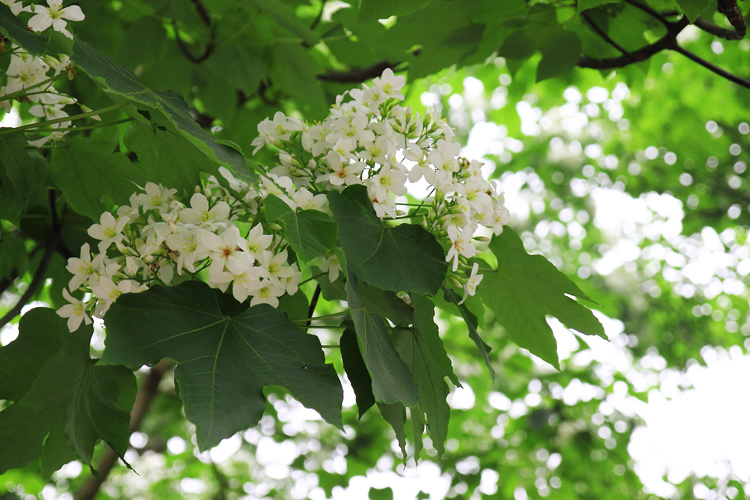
<point>605,36</point>
<point>734,16</point>
<point>717,30</point>
<point>712,67</point>
<point>49,250</point>
<point>146,394</point>
<point>668,41</point>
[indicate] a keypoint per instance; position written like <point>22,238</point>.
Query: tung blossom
<point>54,15</point>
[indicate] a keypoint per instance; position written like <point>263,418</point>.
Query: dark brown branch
<point>712,67</point>
<point>718,30</point>
<point>146,394</point>
<point>668,41</point>
<point>202,12</point>
<point>734,16</point>
<point>313,303</point>
<point>356,75</point>
<point>603,34</point>
<point>49,250</point>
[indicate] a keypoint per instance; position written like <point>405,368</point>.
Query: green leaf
<point>471,323</point>
<point>226,353</point>
<point>423,352</point>
<point>395,414</point>
<point>86,172</point>
<point>56,451</point>
<point>560,52</point>
<point>121,83</point>
<point>372,10</point>
<point>391,380</point>
<point>524,289</point>
<point>355,369</point>
<point>20,361</point>
<point>88,393</point>
<point>167,158</point>
<point>19,174</point>
<point>22,433</point>
<point>693,9</point>
<point>518,45</point>
<point>404,258</point>
<point>14,258</point>
<point>310,233</point>
<point>380,494</point>
<point>590,4</point>
<point>295,72</point>
<point>381,302</point>
<point>15,29</point>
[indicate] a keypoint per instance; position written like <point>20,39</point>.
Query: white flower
<point>201,215</point>
<point>390,85</point>
<point>266,292</point>
<point>459,246</point>
<point>54,16</point>
<point>333,266</point>
<point>223,248</point>
<point>156,197</point>
<point>15,7</point>
<point>109,230</point>
<point>470,288</point>
<point>81,269</point>
<point>75,312</point>
<point>24,71</point>
<point>185,243</point>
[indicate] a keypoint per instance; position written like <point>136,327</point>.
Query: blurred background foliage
<point>631,180</point>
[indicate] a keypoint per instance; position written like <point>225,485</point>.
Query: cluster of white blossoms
<point>157,238</point>
<point>222,235</point>
<point>370,139</point>
<point>31,77</point>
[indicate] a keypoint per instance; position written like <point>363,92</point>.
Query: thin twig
<point>712,67</point>
<point>717,30</point>
<point>313,304</point>
<point>603,34</point>
<point>648,10</point>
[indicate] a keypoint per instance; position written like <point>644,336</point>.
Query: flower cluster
<point>370,139</point>
<point>157,238</point>
<point>31,77</point>
<point>223,237</point>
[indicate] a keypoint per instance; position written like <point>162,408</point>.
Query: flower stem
<point>80,116</point>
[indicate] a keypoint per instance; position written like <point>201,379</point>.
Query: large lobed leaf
<point>310,233</point>
<point>404,258</point>
<point>226,354</point>
<point>524,289</point>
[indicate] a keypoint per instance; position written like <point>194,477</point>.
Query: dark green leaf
<point>19,173</point>
<point>524,289</point>
<point>167,158</point>
<point>404,258</point>
<point>310,233</point>
<point>86,172</point>
<point>395,415</point>
<point>56,451</point>
<point>471,324</point>
<point>88,393</point>
<point>16,30</point>
<point>122,83</point>
<point>391,380</point>
<point>372,10</point>
<point>356,370</point>
<point>560,52</point>
<point>22,433</point>
<point>226,353</point>
<point>20,361</point>
<point>13,256</point>
<point>295,71</point>
<point>423,352</point>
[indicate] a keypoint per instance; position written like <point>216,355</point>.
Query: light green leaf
<point>88,393</point>
<point>524,289</point>
<point>355,369</point>
<point>404,258</point>
<point>226,354</point>
<point>693,9</point>
<point>310,233</point>
<point>391,380</point>
<point>590,4</point>
<point>121,83</point>
<point>88,171</point>
<point>20,361</point>
<point>22,433</point>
